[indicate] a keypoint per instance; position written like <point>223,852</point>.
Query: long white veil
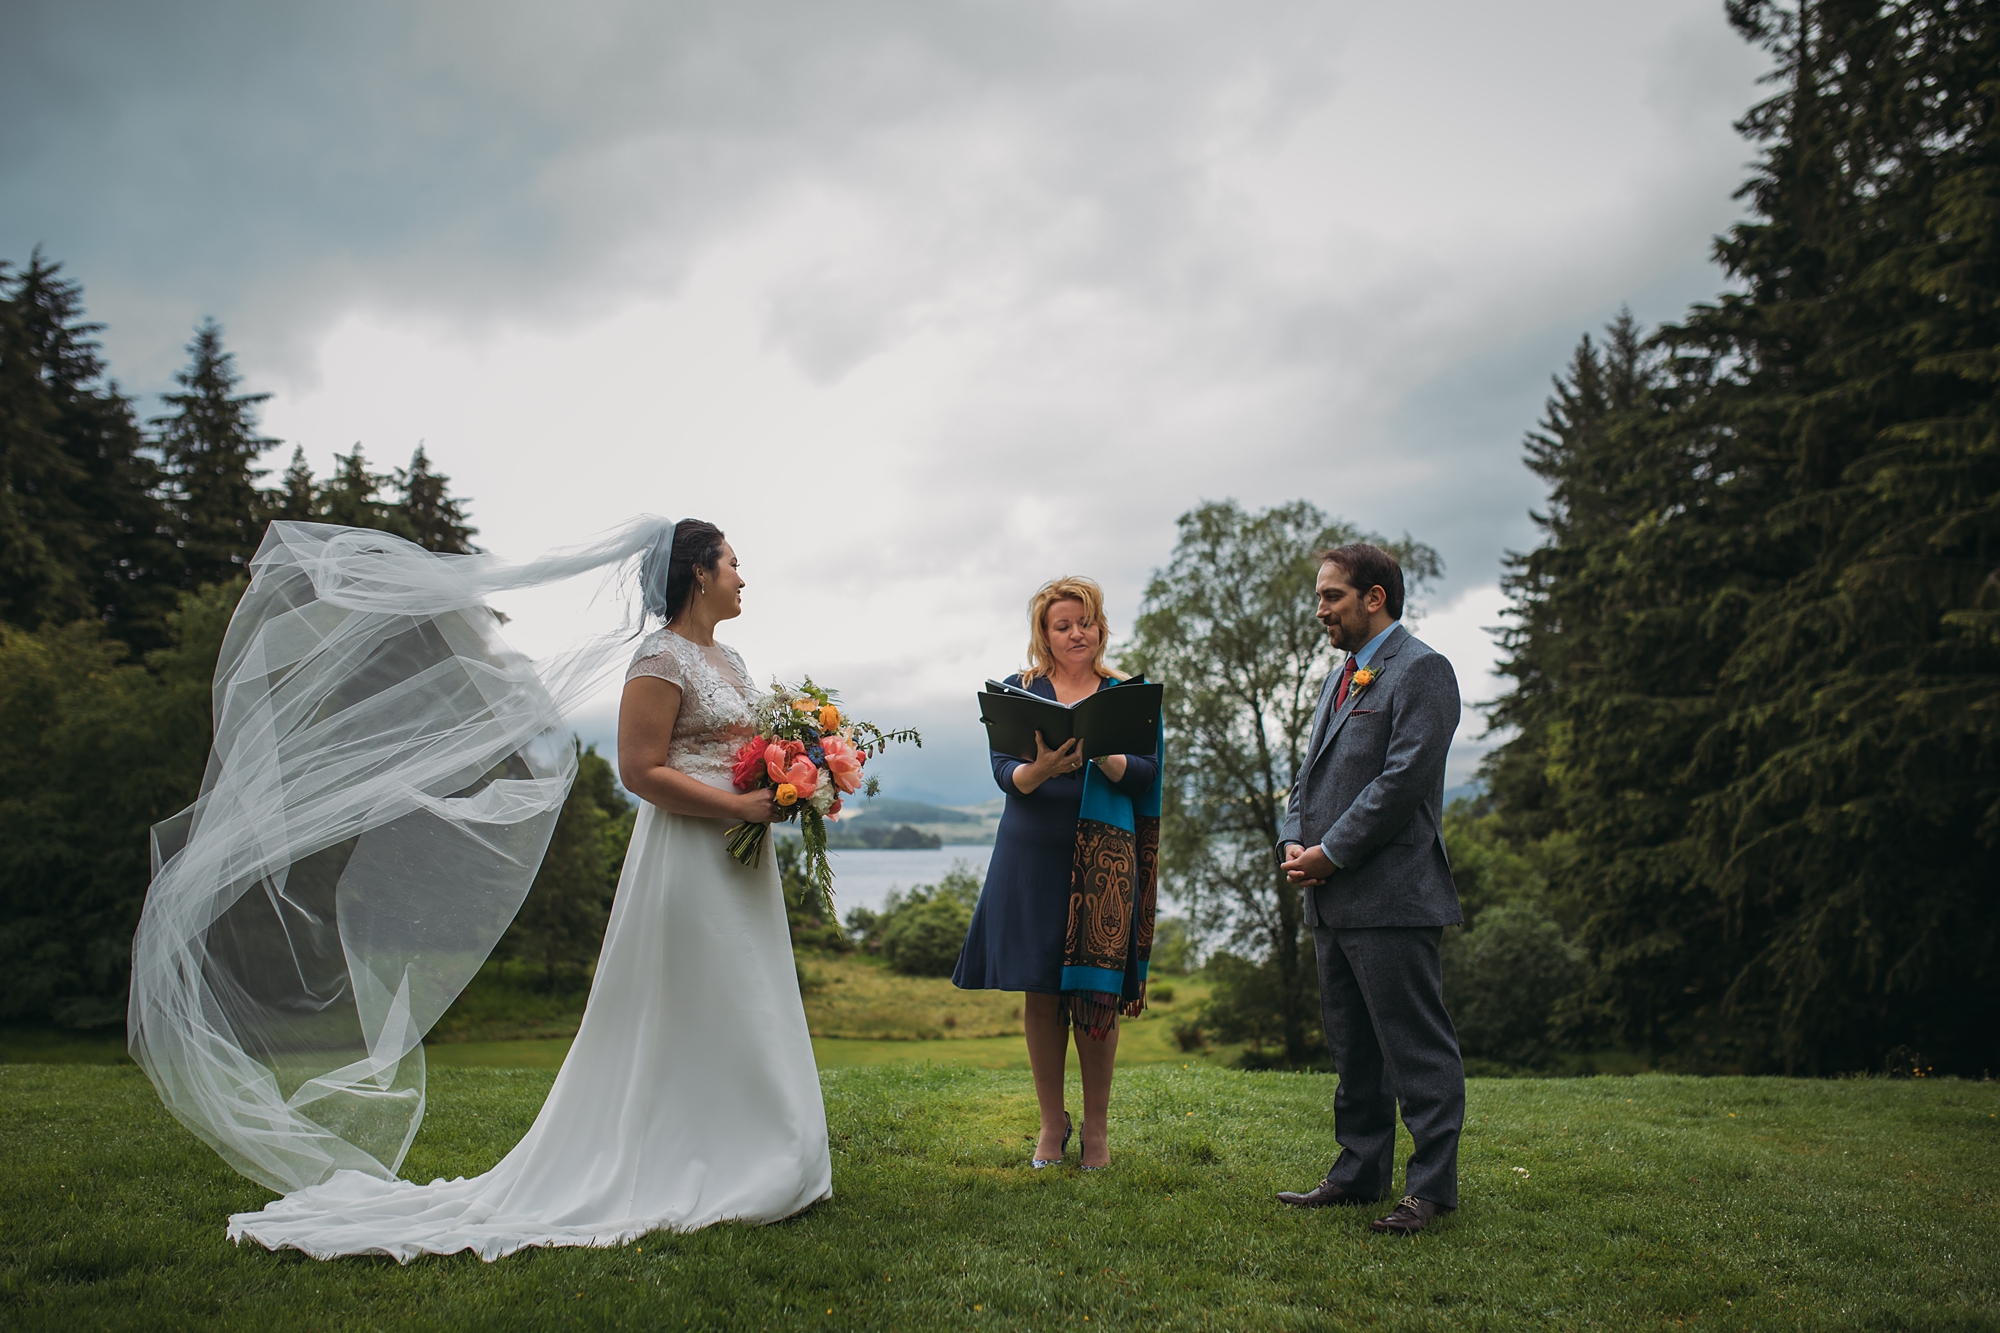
<point>385,776</point>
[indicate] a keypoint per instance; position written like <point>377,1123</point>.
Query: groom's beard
<point>1347,637</point>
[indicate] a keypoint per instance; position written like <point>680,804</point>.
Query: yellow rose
<point>1365,676</point>
<point>787,794</point>
<point>829,717</point>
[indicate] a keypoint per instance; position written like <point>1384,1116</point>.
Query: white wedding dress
<point>690,1095</point>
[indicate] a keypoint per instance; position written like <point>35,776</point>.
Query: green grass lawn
<point>1647,1202</point>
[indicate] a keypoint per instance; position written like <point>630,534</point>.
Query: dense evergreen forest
<point>1755,660</point>
<point>124,545</point>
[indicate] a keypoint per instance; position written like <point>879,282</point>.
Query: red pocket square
<point>1361,712</point>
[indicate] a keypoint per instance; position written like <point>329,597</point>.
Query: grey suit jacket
<point>1372,793</point>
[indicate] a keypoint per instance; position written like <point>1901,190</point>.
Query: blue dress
<point>1018,928</point>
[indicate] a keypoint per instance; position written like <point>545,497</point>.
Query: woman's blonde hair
<point>1069,588</point>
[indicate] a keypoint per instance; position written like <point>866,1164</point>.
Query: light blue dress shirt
<point>1367,649</point>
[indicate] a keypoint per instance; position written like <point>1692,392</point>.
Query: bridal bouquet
<point>812,757</point>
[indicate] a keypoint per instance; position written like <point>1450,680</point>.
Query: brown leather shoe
<point>1326,1194</point>
<point>1411,1216</point>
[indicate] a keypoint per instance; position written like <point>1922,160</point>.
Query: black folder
<point>1121,720</point>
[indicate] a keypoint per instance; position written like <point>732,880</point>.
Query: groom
<point>1362,837</point>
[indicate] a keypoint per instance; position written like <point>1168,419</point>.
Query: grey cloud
<point>1012,171</point>
<point>275,163</point>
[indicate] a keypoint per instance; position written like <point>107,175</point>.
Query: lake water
<point>862,877</point>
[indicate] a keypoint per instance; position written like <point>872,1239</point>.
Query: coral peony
<point>844,762</point>
<point>749,762</point>
<point>780,757</point>
<point>803,776</point>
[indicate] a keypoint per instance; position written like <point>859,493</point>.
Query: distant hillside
<point>889,810</point>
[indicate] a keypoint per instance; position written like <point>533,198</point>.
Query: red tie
<point>1346,675</point>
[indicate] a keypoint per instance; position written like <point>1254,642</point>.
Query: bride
<point>690,1095</point>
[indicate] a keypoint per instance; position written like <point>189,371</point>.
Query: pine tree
<point>42,539</point>
<point>103,526</point>
<point>210,446</point>
<point>1578,453</point>
<point>435,520</point>
<point>295,496</point>
<point>1757,661</point>
<point>352,496</point>
<point>1855,839</point>
<point>426,512</point>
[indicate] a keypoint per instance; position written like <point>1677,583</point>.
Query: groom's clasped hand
<point>1362,837</point>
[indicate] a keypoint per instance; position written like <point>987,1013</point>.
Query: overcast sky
<point>923,303</point>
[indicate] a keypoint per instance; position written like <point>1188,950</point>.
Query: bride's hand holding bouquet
<point>802,760</point>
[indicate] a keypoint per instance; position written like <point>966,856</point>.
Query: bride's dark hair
<point>696,544</point>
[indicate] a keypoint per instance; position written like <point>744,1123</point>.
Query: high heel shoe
<point>1069,1127</point>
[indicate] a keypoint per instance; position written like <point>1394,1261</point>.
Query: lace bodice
<point>716,695</point>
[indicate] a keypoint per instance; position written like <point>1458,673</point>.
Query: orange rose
<point>802,705</point>
<point>829,717</point>
<point>787,794</point>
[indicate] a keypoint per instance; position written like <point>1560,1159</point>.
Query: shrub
<point>1248,1005</point>
<point>924,939</point>
<point>921,932</point>
<point>1503,979</point>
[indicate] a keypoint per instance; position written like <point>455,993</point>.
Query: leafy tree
<point>1173,947</point>
<point>210,447</point>
<point>1228,625</point>
<point>95,750</point>
<point>82,533</point>
<point>1490,868</point>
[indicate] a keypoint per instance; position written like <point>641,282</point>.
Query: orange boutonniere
<point>1364,677</point>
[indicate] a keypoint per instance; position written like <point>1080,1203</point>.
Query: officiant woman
<point>1066,914</point>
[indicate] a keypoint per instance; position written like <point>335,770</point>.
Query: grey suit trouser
<point>1382,1002</point>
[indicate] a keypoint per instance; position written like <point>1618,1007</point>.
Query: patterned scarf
<point>1112,889</point>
